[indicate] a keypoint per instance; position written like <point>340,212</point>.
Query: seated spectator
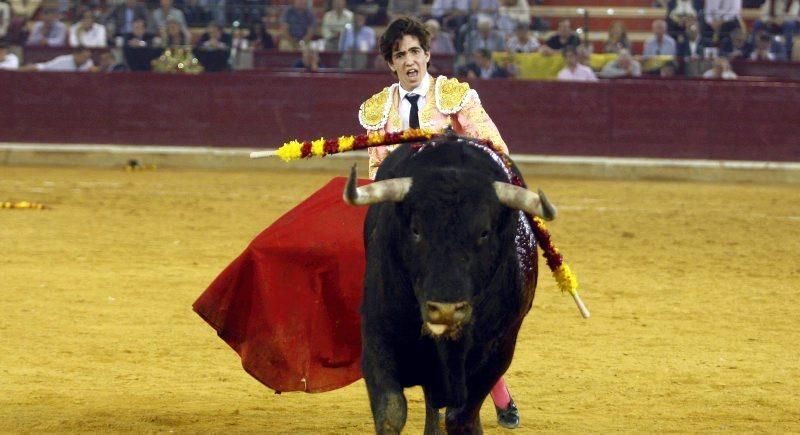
<point>87,32</point>
<point>399,8</point>
<point>374,10</point>
<point>512,14</point>
<point>195,14</point>
<point>441,42</point>
<point>297,24</point>
<point>139,36</point>
<point>736,45</point>
<point>584,52</point>
<point>108,63</point>
<point>660,44</point>
<point>623,66</point>
<point>333,24</point>
<point>120,20</point>
<point>574,71</point>
<point>259,37</point>
<point>5,19</point>
<point>691,44</point>
<point>272,18</point>
<point>310,60</point>
<point>483,67</point>
<point>49,31</point>
<point>766,48</point>
<point>241,12</point>
<point>7,60</point>
<point>357,40</point>
<point>522,41</point>
<point>22,11</point>
<point>79,60</point>
<point>780,17</point>
<point>680,13</point>
<point>451,13</point>
<point>165,13</point>
<point>721,17</point>
<point>173,35</point>
<point>485,8</point>
<point>617,38</point>
<point>563,38</point>
<point>669,69</point>
<point>484,37</point>
<point>720,69</point>
<point>140,47</point>
<point>215,38</point>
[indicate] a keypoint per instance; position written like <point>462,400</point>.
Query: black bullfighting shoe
<point>509,417</point>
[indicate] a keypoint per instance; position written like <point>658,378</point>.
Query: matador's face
<point>410,62</point>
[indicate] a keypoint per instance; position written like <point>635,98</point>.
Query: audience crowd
<point>695,37</point>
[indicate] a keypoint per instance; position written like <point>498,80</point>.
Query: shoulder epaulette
<point>374,112</point>
<point>451,94</point>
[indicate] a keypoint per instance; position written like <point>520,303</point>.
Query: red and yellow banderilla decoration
<point>321,147</point>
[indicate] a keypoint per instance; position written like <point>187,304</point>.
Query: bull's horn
<point>519,198</point>
<point>394,190</point>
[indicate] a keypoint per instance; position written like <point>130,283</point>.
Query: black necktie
<point>413,118</point>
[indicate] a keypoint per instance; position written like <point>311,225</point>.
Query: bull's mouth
<point>442,331</point>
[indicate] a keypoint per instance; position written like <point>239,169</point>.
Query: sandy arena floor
<point>693,290</point>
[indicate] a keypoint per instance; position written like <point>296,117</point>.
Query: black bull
<point>451,273</point>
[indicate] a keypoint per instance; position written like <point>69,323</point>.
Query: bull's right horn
<point>523,199</point>
<point>393,189</point>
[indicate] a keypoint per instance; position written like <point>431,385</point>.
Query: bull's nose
<point>448,313</point>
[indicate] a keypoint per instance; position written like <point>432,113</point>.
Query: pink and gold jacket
<point>449,102</point>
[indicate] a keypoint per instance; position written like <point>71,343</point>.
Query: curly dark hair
<point>399,28</point>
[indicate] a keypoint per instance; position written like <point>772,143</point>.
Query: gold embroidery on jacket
<point>451,95</point>
<point>373,113</point>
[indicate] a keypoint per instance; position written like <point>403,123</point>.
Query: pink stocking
<point>500,395</point>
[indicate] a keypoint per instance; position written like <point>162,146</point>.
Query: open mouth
<point>436,329</point>
<point>412,73</point>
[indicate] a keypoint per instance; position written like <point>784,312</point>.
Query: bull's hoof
<point>509,417</point>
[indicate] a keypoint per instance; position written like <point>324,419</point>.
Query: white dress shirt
<point>404,109</point>
<point>93,38</point>
<point>63,63</point>
<point>582,73</point>
<point>725,10</point>
<point>10,62</point>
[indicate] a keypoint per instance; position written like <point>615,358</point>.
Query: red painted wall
<point>742,120</point>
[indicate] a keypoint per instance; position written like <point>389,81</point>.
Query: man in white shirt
<point>79,60</point>
<point>334,22</point>
<point>7,60</point>
<point>87,32</point>
<point>574,71</point>
<point>722,16</point>
<point>660,44</point>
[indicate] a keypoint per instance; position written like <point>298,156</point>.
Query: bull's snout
<point>443,316</point>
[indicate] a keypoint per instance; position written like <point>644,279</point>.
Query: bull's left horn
<point>519,198</point>
<point>394,190</point>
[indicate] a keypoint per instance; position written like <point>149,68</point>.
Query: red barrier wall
<point>648,118</point>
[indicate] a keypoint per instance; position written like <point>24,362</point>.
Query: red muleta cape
<point>289,304</point>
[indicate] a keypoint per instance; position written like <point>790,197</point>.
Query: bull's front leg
<point>465,419</point>
<point>433,421</point>
<point>386,398</point>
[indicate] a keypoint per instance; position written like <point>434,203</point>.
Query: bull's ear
<point>394,190</point>
<point>519,198</point>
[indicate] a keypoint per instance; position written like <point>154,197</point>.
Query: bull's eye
<point>415,234</point>
<point>484,234</point>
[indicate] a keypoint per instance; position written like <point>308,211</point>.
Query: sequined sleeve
<point>475,122</point>
<point>376,156</point>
